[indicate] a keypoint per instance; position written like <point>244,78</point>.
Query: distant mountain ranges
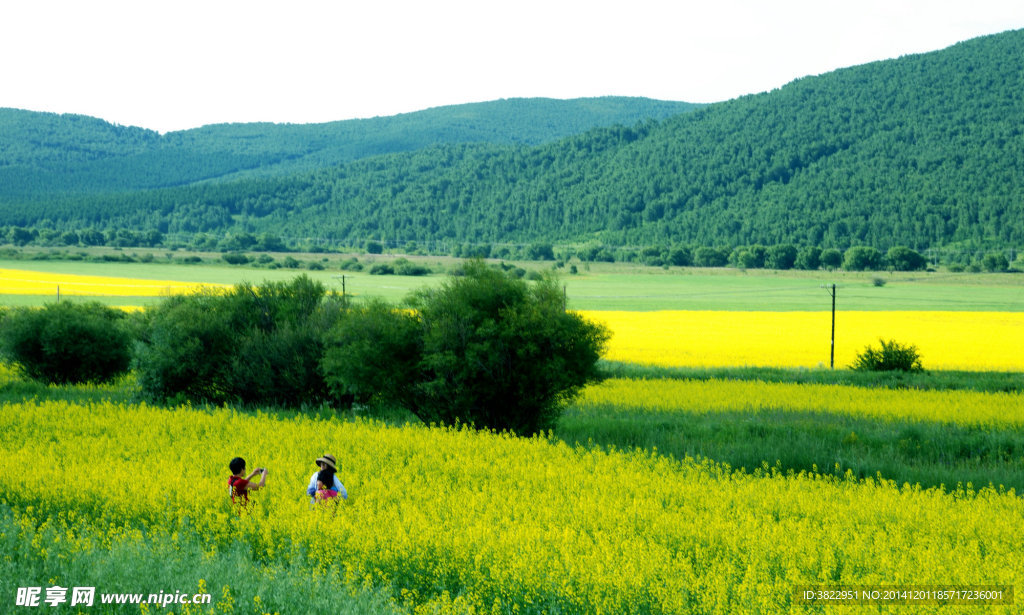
<point>924,151</point>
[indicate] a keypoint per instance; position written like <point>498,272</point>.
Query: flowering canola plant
<point>23,282</point>
<point>946,340</point>
<point>499,523</point>
<point>705,396</point>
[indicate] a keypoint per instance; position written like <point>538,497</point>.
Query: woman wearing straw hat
<point>327,475</point>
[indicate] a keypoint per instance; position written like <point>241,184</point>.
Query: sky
<point>176,65</point>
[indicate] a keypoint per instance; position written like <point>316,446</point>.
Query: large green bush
<point>808,258</point>
<point>781,257</point>
<point>862,258</point>
<point>68,342</point>
<point>830,258</point>
<point>995,262</point>
<point>902,258</point>
<point>485,348</point>
<point>373,355</point>
<point>251,344</point>
<point>889,356</point>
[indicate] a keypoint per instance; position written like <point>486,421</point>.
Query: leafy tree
<point>21,236</point>
<point>91,237</point>
<point>68,342</point>
<point>831,258</point>
<point>374,247</point>
<point>706,256</point>
<point>745,259</point>
<point>995,262</point>
<point>486,348</point>
<point>540,252</point>
<point>476,251</point>
<point>902,258</point>
<point>780,257</point>
<point>270,243</point>
<point>250,344</point>
<point>808,258</point>
<point>862,258</point>
<point>373,355</point>
<point>500,352</point>
<point>680,257</point>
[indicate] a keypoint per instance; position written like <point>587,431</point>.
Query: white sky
<point>174,65</point>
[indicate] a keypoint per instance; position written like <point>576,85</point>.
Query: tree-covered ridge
<point>46,153</point>
<point>922,151</point>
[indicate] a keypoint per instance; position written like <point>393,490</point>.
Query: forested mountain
<point>923,151</point>
<point>46,153</point>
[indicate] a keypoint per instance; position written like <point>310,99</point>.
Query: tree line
<point>486,348</point>
<point>755,256</point>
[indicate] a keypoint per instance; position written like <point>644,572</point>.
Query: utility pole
<point>832,352</point>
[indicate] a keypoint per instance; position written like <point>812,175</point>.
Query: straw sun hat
<point>329,460</point>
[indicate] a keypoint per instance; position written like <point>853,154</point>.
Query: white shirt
<point>311,489</point>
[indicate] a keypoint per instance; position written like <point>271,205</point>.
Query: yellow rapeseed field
<point>23,282</point>
<point>946,340</point>
<point>505,524</point>
<point>704,396</point>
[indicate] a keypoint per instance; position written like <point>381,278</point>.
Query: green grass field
<point>605,286</point>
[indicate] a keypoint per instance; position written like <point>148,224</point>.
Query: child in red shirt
<point>240,487</point>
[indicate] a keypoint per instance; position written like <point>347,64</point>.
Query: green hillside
<point>922,151</point>
<point>45,153</point>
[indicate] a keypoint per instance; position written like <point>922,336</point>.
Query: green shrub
<point>706,256</point>
<point>891,356</point>
<point>830,258</point>
<point>251,344</point>
<point>485,348</point>
<point>808,258</point>
<point>995,262</point>
<point>351,264</point>
<point>372,355</point>
<point>502,353</point>
<point>68,342</point>
<point>234,258</point>
<point>862,258</point>
<point>680,257</point>
<point>781,257</point>
<point>404,266</point>
<point>540,252</point>
<point>902,258</point>
<point>382,269</point>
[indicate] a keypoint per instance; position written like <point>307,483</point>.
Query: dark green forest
<point>43,155</point>
<point>923,151</point>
